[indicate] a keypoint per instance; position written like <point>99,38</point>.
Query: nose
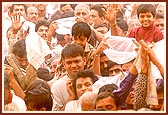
<point>73,65</point>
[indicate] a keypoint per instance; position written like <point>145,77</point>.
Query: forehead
<point>82,8</point>
<point>43,27</point>
<point>83,80</point>
<point>32,9</point>
<point>18,6</point>
<point>73,58</point>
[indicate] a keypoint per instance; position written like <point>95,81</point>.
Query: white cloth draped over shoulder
<point>37,49</point>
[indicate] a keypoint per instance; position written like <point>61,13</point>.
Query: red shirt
<point>148,34</point>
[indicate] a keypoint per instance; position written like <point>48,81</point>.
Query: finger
<point>136,43</point>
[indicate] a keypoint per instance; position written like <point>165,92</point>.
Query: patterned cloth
<point>140,92</point>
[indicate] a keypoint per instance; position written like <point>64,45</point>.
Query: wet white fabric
<point>122,49</point>
<point>36,49</point>
<point>65,25</point>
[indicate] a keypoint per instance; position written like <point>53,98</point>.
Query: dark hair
<point>111,64</point>
<point>6,80</point>
<point>60,37</point>
<point>72,50</point>
<point>41,23</point>
<point>43,73</point>
<point>143,8</point>
<point>101,25</point>
<point>121,23</point>
<point>81,28</point>
<point>38,95</point>
<point>19,48</point>
<point>67,14</point>
<point>158,16</point>
<point>83,74</point>
<point>103,95</point>
<point>12,8</point>
<point>108,88</point>
<point>98,8</point>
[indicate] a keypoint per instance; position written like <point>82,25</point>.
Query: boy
<point>147,31</point>
<point>81,33</point>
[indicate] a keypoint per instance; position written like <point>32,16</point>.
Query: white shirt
<point>60,93</point>
<point>73,105</point>
<point>17,104</point>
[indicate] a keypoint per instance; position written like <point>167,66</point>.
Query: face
<point>83,85</point>
<point>41,7</point>
<point>107,103</point>
<point>130,97</point>
<point>94,17</point>
<point>68,38</point>
<point>126,66</point>
<point>104,65</point>
<point>53,67</point>
<point>160,24</point>
<point>42,31</point>
<point>73,65</point>
<point>81,40</point>
<point>82,13</point>
<point>102,30</point>
<point>66,8</point>
<point>146,19</point>
<point>115,70</point>
<point>23,62</point>
<point>32,14</point>
<point>19,10</point>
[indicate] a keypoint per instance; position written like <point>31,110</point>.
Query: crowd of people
<point>83,57</point>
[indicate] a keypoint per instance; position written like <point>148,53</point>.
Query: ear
<point>84,59</point>
<point>43,109</point>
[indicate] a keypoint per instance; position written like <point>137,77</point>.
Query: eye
<point>79,86</point>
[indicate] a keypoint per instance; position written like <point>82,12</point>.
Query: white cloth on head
<point>122,49</point>
<point>65,25</point>
<point>36,49</point>
<point>106,80</point>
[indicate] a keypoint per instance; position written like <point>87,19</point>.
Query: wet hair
<point>144,8</point>
<point>108,88</point>
<point>41,23</point>
<point>38,95</point>
<point>19,48</point>
<point>72,50</point>
<point>84,74</point>
<point>81,28</point>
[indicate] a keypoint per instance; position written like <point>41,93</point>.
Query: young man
<point>81,33</point>
<point>82,83</point>
<point>73,60</point>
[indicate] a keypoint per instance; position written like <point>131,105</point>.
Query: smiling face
<point>83,85</point>
<point>42,31</point>
<point>73,65</point>
<point>146,19</point>
<point>81,40</point>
